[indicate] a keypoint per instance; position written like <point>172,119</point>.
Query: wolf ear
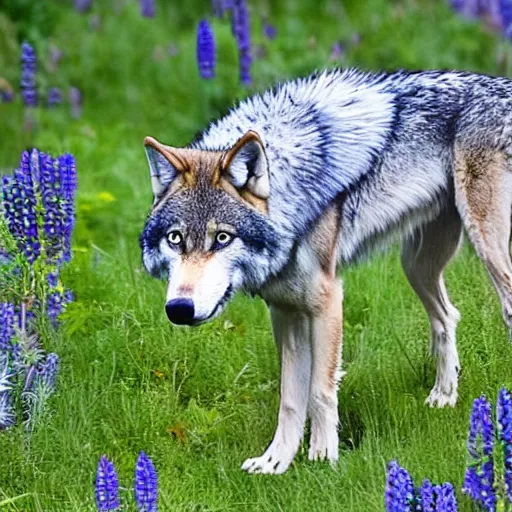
<point>245,165</point>
<point>164,164</point>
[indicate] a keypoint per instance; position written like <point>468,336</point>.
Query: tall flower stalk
<point>83,5</point>
<point>445,500</point>
<point>242,32</point>
<point>479,478</point>
<point>147,8</point>
<point>54,97</point>
<point>36,223</point>
<point>146,484</point>
<point>28,75</point>
<point>427,497</point>
<point>504,416</point>
<point>399,495</point>
<point>205,50</point>
<point>107,486</point>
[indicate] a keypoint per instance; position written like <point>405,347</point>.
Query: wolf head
<point>209,231</point>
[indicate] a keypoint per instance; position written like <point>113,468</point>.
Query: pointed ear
<point>164,163</point>
<point>245,165</point>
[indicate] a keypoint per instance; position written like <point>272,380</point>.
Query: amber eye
<point>175,238</point>
<point>223,238</point>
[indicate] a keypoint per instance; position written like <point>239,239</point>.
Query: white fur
<point>291,332</point>
<point>444,392</point>
<point>208,287</point>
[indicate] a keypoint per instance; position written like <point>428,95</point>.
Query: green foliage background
<point>200,401</point>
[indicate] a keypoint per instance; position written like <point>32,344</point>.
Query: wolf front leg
<point>292,336</point>
<point>326,340</point>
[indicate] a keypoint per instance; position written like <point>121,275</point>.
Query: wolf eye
<point>223,238</point>
<point>175,238</point>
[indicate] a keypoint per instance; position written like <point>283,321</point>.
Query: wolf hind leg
<point>425,254</point>
<point>326,341</point>
<point>483,193</point>
<point>291,333</point>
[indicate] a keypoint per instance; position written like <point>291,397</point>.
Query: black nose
<point>180,311</point>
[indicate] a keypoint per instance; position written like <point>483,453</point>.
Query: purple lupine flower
<point>242,31</point>
<point>469,8</point>
<point>54,306</point>
<point>83,5</point>
<point>481,430</point>
<point>12,215</point>
<point>146,484</point>
<point>49,371</point>
<point>245,68</point>
<point>6,326</point>
<point>490,10</point>
<point>28,75</point>
<point>336,51</point>
<point>445,498</point>
<point>54,96</point>
<point>218,8</point>
<point>68,296</point>
<point>107,494</point>
<point>472,484</point>
<point>504,414</point>
<point>399,494</point>
<point>31,244</point>
<point>205,50</point>
<point>55,57</point>
<point>505,11</point>
<point>7,96</point>
<point>52,279</point>
<point>75,100</point>
<point>457,5</point>
<point>269,31</point>
<point>19,203</point>
<point>147,8</point>
<point>479,478</point>
<point>68,182</point>
<point>426,498</point>
<point>53,215</point>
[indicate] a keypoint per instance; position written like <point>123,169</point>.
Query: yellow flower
<point>105,196</point>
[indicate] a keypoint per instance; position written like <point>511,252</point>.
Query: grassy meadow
<point>200,401</point>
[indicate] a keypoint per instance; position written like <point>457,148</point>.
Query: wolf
<point>294,184</point>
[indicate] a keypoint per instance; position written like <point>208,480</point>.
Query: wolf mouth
<point>223,300</point>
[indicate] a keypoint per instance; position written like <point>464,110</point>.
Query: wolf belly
<point>402,193</point>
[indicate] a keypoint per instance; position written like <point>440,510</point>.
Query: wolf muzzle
<point>180,311</point>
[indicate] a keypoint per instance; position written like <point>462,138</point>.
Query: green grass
<point>200,401</point>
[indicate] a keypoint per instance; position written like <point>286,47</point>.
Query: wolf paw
<point>324,449</point>
<point>274,461</point>
<point>323,454</point>
<point>440,398</point>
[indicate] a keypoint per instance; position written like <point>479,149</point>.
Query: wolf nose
<point>180,311</point>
